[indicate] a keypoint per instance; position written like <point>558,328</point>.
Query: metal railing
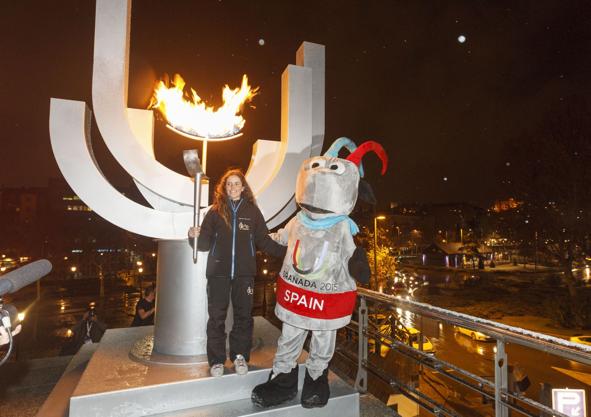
<point>498,390</point>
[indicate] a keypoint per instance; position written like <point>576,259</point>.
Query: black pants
<point>219,292</point>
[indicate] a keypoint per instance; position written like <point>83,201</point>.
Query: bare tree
<point>550,171</point>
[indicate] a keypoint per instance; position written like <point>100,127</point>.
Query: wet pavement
<point>49,320</point>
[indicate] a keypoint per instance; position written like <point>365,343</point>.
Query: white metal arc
<point>69,129</point>
<point>109,99</point>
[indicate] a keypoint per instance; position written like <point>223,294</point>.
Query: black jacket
<point>232,250</point>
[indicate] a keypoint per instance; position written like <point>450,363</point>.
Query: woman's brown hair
<point>220,198</point>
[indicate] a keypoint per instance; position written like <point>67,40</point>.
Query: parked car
<point>582,339</point>
<point>473,334</point>
<point>412,335</point>
<point>404,334</point>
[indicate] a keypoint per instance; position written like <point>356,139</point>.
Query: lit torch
<point>189,116</point>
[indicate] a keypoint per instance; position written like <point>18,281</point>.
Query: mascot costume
<point>316,289</point>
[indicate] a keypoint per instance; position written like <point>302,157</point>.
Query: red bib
<point>313,304</point>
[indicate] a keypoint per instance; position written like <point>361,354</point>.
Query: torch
<point>193,165</point>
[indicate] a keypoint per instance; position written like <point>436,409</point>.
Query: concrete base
<point>143,351</point>
<point>114,384</point>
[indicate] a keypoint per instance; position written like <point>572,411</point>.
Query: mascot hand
<point>278,237</point>
<point>358,266</point>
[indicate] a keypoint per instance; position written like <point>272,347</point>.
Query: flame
<point>189,114</point>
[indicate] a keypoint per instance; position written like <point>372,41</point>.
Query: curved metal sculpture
<point>128,134</point>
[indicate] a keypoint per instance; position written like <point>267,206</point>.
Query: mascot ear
<point>366,193</point>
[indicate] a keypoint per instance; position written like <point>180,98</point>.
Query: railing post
<point>501,380</point>
<point>421,333</point>
<point>361,380</point>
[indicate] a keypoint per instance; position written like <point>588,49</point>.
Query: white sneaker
<point>217,370</point>
<point>240,365</point>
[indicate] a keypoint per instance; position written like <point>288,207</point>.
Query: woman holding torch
<point>231,231</point>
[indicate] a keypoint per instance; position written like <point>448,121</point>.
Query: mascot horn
<point>339,144</point>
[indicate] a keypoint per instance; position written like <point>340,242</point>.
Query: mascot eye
<point>317,163</point>
<point>337,167</point>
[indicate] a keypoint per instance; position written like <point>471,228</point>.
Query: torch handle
<point>196,211</point>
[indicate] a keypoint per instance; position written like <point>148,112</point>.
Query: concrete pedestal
<point>112,384</point>
<point>181,300</point>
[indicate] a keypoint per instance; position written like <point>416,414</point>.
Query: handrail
<point>499,331</point>
<point>498,390</point>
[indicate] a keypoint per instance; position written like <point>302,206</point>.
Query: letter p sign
<point>569,401</point>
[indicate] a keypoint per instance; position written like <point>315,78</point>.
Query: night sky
<point>395,73</point>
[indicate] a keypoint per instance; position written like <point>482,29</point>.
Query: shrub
<point>572,312</point>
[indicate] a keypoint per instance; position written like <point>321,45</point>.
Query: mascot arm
<point>281,236</point>
<point>358,266</point>
<point>263,241</point>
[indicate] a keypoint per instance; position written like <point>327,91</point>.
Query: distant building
<point>453,254</point>
<point>22,215</point>
<point>506,205</point>
<point>53,222</point>
<point>442,222</point>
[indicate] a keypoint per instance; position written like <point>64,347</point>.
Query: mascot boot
<point>315,393</point>
<point>278,389</point>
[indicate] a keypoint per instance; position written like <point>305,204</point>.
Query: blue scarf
<point>326,222</point>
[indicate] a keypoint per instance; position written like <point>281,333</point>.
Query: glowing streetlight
<point>140,270</point>
<point>375,243</point>
<point>73,268</point>
<point>139,263</point>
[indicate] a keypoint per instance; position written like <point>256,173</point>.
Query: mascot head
<point>327,185</point>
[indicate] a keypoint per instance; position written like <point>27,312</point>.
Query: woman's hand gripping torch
<point>193,165</point>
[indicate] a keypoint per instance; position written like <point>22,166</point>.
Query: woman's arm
<point>262,239</point>
<point>204,233</point>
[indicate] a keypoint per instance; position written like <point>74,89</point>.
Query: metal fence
<point>497,389</point>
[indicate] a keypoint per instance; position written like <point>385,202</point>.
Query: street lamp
<point>141,279</point>
<point>375,244</point>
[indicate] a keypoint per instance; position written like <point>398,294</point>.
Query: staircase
<point>112,384</point>
<point>228,396</point>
